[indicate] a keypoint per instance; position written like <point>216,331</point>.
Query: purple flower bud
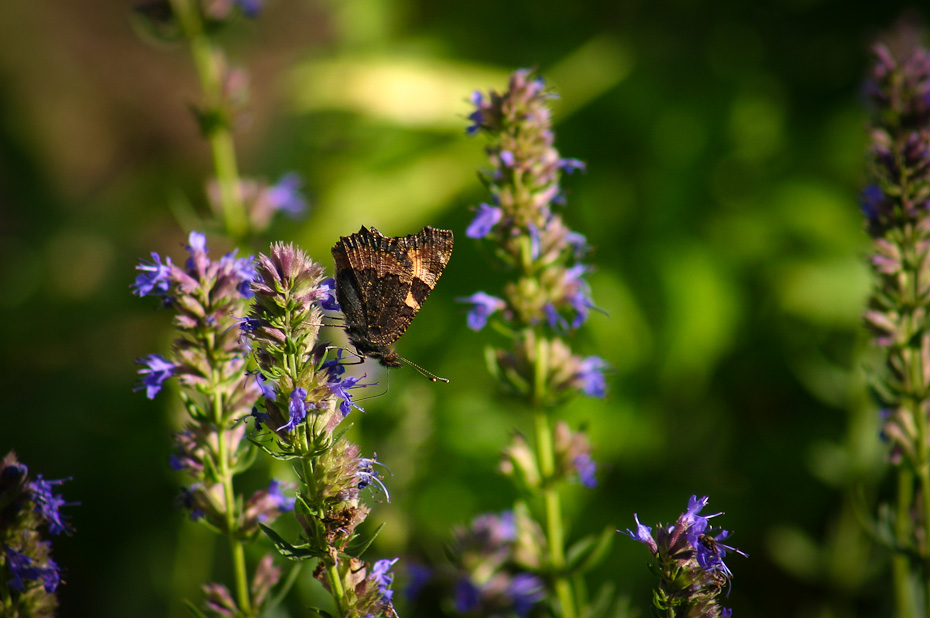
<point>586,468</point>
<point>488,216</point>
<point>157,369</point>
<point>484,306</point>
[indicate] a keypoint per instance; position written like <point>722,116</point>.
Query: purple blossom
<point>197,248</point>
<point>484,306</point>
<point>578,243</point>
<point>48,504</point>
<point>23,569</point>
<point>591,376</point>
<point>643,534</point>
<point>579,293</point>
<point>526,590</point>
<point>506,157</point>
<point>383,578</point>
<point>155,278</point>
<point>157,369</point>
<point>285,195</point>
<point>249,8</point>
<point>244,270</point>
<point>297,409</point>
<point>467,596</point>
<point>487,217</point>
<point>340,388</point>
<point>276,493</point>
<point>477,116</point>
<point>569,166</point>
<point>535,241</point>
<point>328,289</point>
<point>367,475</point>
<point>586,468</point>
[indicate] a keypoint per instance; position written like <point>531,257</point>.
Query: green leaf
<point>291,552</point>
<point>589,551</point>
<point>193,609</point>
<point>367,543</point>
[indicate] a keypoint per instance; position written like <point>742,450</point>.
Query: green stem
<point>545,454</point>
<point>900,562</point>
<point>236,549</point>
<point>218,133</point>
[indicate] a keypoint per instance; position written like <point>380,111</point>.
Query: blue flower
<point>297,409</point>
<point>188,500</point>
<point>367,475</point>
<point>381,576</point>
<point>586,468</point>
<point>643,534</point>
<point>535,241</point>
<point>484,306</point>
<point>48,504</point>
<point>570,165</point>
<point>488,216</point>
<point>155,278</point>
<point>591,376</point>
<point>467,596</point>
<point>244,270</point>
<point>578,243</point>
<point>249,8</point>
<point>157,370</point>
<point>328,289</point>
<point>23,570</point>
<point>477,116</point>
<point>579,295</point>
<point>526,590</point>
<point>872,202</point>
<point>340,388</point>
<point>275,492</point>
<point>506,157</point>
<point>197,248</point>
<point>285,195</point>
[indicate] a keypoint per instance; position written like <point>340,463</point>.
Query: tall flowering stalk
<point>305,397</point>
<point>897,209</point>
<point>244,206</point>
<point>29,577</point>
<point>208,360</point>
<point>546,300</point>
<point>688,560</point>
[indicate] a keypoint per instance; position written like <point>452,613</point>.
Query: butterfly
<point>381,283</point>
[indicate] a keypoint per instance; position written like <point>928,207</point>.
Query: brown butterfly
<point>381,283</point>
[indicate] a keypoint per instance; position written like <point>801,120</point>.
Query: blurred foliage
<point>724,143</point>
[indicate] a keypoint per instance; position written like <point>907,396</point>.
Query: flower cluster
<point>689,563</point>
<point>550,288</point>
<point>495,566</point>
<point>28,575</point>
<point>306,395</point>
<point>897,209</point>
<point>209,360</point>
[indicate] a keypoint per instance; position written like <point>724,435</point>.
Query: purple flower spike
<point>484,306</point>
<point>157,370</point>
<point>487,217</point>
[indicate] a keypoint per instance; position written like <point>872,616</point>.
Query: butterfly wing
<point>381,282</point>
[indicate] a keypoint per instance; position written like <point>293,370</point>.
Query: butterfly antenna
<point>423,372</point>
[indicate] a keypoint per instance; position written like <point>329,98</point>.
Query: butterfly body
<point>381,283</point>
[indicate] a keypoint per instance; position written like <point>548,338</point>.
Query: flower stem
<point>216,126</point>
<point>901,563</point>
<point>240,571</point>
<point>545,454</point>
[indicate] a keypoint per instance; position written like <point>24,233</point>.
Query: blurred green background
<point>725,147</point>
